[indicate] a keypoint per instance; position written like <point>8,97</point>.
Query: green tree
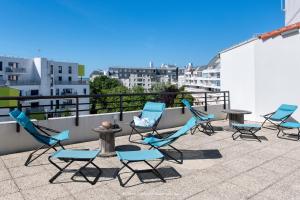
<point>99,86</point>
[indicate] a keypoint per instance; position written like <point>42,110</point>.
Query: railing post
<point>121,107</point>
<point>205,101</point>
<point>77,112</point>
<point>224,95</point>
<point>182,108</point>
<point>19,108</point>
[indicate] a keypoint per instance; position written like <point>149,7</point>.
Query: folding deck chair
<point>203,119</point>
<point>246,129</point>
<point>289,125</point>
<point>129,157</point>
<point>72,155</point>
<point>279,116</point>
<point>36,131</point>
<point>159,143</point>
<point>152,111</point>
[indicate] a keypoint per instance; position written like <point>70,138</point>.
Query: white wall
<point>261,75</point>
<point>277,71</point>
<point>292,11</point>
<point>237,76</point>
<point>12,141</point>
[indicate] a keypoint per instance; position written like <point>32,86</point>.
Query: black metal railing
<point>106,103</point>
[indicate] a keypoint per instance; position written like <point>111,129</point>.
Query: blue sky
<point>103,33</point>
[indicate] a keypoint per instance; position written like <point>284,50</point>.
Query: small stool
<point>71,155</point>
<point>127,157</point>
<point>246,129</point>
<point>289,125</point>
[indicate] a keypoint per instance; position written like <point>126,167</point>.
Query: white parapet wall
<point>12,141</point>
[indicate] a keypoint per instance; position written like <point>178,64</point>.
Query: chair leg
<point>80,171</point>
<point>30,160</point>
<point>234,138</point>
<point>153,170</point>
<point>136,131</point>
<point>179,161</point>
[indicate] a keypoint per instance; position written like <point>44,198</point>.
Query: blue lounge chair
<point>288,125</point>
<point>72,155</point>
<point>158,143</point>
<point>246,129</point>
<point>40,133</point>
<point>152,111</point>
<point>128,157</point>
<point>279,116</point>
<point>203,119</point>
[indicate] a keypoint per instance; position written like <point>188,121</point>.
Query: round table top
<point>101,129</point>
<point>236,111</point>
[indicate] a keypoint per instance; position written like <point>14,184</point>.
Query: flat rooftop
<point>214,167</point>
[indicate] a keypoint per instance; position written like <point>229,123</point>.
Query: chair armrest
<point>269,114</point>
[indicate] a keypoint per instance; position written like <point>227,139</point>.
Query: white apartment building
<point>43,77</point>
<point>203,78</point>
<point>146,77</point>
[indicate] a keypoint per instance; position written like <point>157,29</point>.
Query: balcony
<point>79,82</point>
<point>22,82</point>
<point>214,167</point>
<point>12,70</point>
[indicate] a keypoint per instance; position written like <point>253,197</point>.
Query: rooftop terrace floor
<point>214,167</point>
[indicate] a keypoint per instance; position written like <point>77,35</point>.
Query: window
<point>51,69</point>
<point>34,92</point>
<point>57,104</point>
<point>1,66</point>
<point>51,104</point>
<point>57,92</point>
<point>70,69</point>
<point>12,78</point>
<point>59,78</point>
<point>60,69</point>
<point>84,90</point>
<point>70,78</point>
<point>51,81</point>
<point>10,64</point>
<point>51,92</point>
<point>34,104</point>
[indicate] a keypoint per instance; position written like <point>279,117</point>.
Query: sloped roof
<point>277,32</point>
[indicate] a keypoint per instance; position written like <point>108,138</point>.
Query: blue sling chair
<point>279,116</point>
<point>158,143</point>
<point>153,112</point>
<point>203,119</point>
<point>40,133</point>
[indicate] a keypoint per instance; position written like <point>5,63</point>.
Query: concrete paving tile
<point>102,192</point>
<point>13,196</point>
<point>2,165</point>
<point>21,171</point>
<point>281,165</point>
<point>8,187</point>
<point>33,181</point>
<point>4,175</point>
<point>51,191</point>
<point>223,191</point>
<point>187,186</point>
<point>256,179</point>
<point>287,188</point>
<point>14,162</point>
<point>293,154</point>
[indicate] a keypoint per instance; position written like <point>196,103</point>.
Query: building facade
<point>292,11</point>
<point>43,77</point>
<point>146,77</point>
<point>202,78</point>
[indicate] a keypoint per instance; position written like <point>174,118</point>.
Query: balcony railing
<point>79,82</point>
<point>15,70</point>
<point>120,103</point>
<point>22,82</point>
